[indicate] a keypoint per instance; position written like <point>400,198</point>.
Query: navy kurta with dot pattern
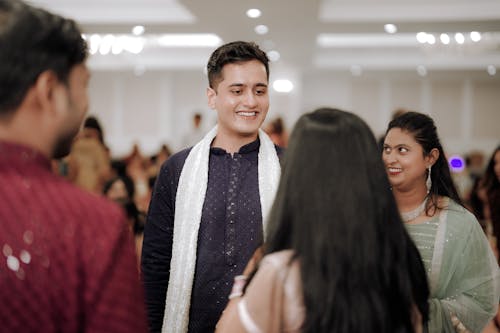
<point>230,231</point>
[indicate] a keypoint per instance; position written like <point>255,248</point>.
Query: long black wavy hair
<point>360,270</point>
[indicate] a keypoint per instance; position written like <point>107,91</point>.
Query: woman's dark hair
<point>360,270</point>
<point>424,131</point>
<point>490,179</point>
<point>137,217</point>
<point>109,183</point>
<point>120,168</point>
<point>93,122</point>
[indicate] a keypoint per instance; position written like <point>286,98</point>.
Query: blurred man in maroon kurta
<point>67,261</point>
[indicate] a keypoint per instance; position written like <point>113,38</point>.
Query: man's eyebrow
<point>243,85</point>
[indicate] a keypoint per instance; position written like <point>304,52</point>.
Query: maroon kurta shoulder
<point>67,261</point>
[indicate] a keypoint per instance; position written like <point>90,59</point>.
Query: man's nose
<point>250,99</point>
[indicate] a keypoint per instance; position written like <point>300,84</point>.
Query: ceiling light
<point>117,46</point>
<point>445,39</point>
<point>421,70</point>
<point>491,70</point>
<point>189,40</point>
<point>106,44</point>
<point>273,55</point>
<point>365,40</point>
<point>253,13</point>
<point>459,38</point>
<point>261,29</point>
<point>475,36</point>
<point>283,85</point>
<point>133,45</point>
<point>138,30</point>
<point>422,37</point>
<point>431,39</point>
<point>95,40</point>
<point>390,28</point>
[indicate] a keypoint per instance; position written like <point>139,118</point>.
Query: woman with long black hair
<point>337,256</point>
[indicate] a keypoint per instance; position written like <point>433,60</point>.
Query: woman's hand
<point>253,263</point>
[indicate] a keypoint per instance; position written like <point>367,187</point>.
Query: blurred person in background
<point>195,133</point>
<point>487,195</point>
<point>69,263</point>
<point>89,165</point>
<point>116,189</point>
<point>277,132</point>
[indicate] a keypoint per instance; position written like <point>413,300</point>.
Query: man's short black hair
<point>233,52</point>
<point>32,41</point>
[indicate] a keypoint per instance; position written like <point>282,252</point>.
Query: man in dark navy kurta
<point>231,222</point>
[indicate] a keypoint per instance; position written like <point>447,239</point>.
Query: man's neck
<point>232,144</point>
<point>16,132</point>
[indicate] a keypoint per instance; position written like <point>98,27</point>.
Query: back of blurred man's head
<point>33,40</point>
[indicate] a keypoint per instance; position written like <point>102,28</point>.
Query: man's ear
<point>45,89</point>
<point>211,95</point>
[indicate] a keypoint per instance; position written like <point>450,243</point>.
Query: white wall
<point>156,107</point>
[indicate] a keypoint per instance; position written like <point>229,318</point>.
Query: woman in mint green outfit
<point>462,271</point>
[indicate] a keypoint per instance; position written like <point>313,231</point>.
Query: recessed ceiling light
<point>475,36</point>
<point>431,39</point>
<point>133,45</point>
<point>117,47</point>
<point>95,41</point>
<point>106,44</point>
<point>283,85</point>
<point>189,40</point>
<point>261,29</point>
<point>445,39</point>
<point>422,37</point>
<point>390,28</point>
<point>138,30</point>
<point>254,13</point>
<point>459,38</point>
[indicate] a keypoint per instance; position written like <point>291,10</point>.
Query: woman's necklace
<point>413,214</point>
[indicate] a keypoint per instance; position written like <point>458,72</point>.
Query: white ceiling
<point>355,26</point>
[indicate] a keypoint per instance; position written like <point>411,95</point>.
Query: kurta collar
<point>246,149</point>
<point>18,154</point>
